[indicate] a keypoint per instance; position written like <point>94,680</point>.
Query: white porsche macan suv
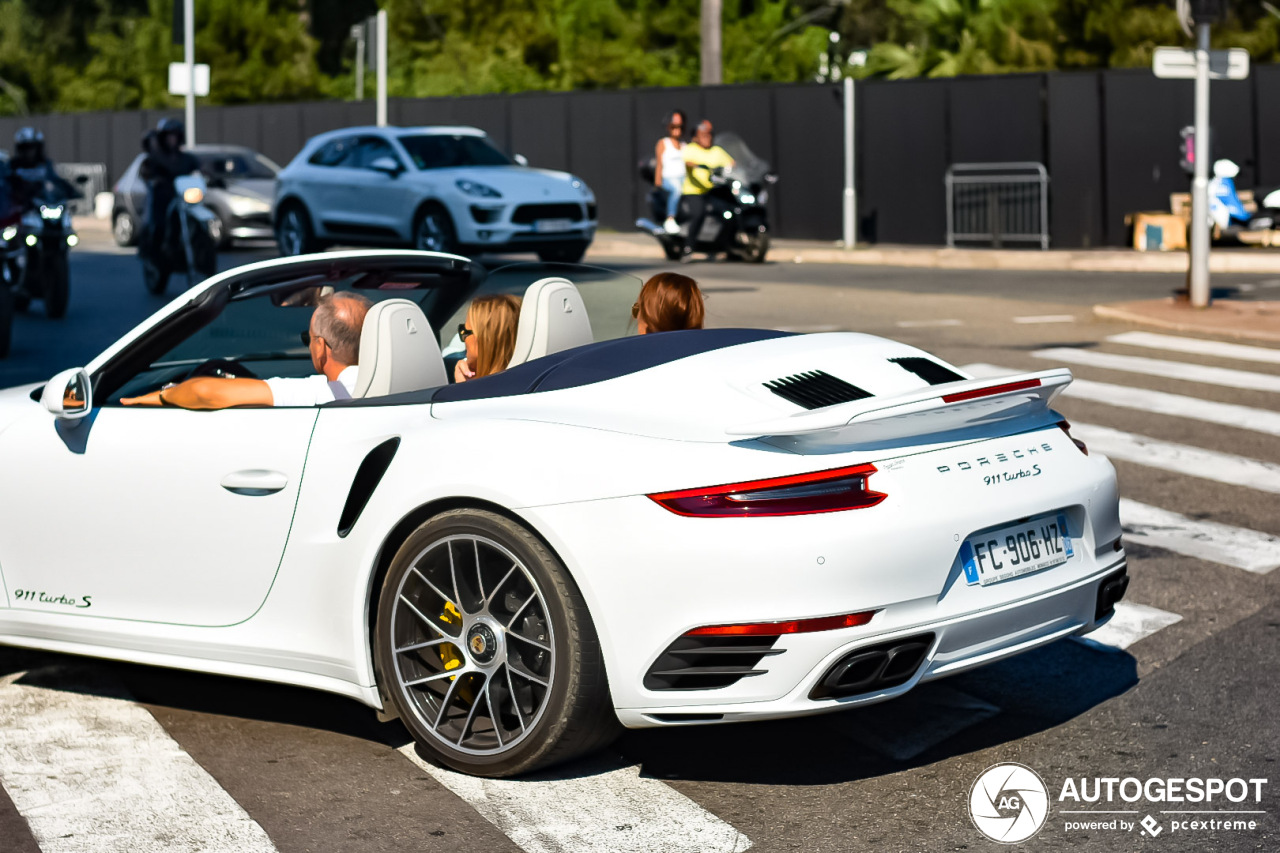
<point>442,189</point>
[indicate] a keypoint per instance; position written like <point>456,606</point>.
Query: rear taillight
<point>792,626</point>
<point>1066,427</point>
<point>803,494</point>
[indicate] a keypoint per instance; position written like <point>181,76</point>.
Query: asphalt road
<point>1185,687</point>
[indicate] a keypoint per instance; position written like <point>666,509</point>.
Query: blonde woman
<point>489,334</point>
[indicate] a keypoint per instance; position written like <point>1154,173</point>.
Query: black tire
<point>57,285</point>
<point>294,232</point>
<point>673,252</point>
<point>204,251</point>
<point>124,228</point>
<point>11,279</point>
<point>424,601</point>
<point>566,253</point>
<point>6,320</point>
<point>757,248</point>
<point>433,231</point>
<point>155,276</point>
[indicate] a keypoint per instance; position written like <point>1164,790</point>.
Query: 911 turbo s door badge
<point>32,596</point>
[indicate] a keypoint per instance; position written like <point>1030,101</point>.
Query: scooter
<point>736,221</point>
<point>1228,213</point>
<point>188,245</point>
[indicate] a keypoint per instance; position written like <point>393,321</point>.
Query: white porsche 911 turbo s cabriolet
<point>661,530</point>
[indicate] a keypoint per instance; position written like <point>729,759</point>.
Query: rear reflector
<point>803,494</point>
<point>991,391</point>
<point>795,626</point>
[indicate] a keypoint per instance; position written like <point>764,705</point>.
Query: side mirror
<point>520,159</point>
<point>386,165</point>
<point>68,395</point>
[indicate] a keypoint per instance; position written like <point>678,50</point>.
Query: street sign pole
<point>381,46</point>
<point>1199,284</point>
<point>850,189</point>
<point>189,54</point>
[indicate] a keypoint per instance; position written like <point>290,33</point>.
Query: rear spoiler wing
<point>947,411</point>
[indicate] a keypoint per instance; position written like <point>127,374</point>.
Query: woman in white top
<point>669,169</point>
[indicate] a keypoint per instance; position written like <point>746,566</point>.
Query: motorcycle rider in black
<point>166,159</point>
<point>29,170</point>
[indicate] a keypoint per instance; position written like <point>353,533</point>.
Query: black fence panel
<point>1076,212</point>
<point>1266,95</point>
<point>540,129</point>
<point>904,162</point>
<point>1109,139</point>
<point>600,153</point>
<point>997,119</point>
<point>809,162</point>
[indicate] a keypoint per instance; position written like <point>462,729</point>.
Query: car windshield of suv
<point>442,151</point>
<point>235,164</point>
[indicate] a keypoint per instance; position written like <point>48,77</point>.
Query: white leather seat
<point>398,351</point>
<point>552,318</point>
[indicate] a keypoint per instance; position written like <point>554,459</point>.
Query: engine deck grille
<point>815,389</point>
<point>928,370</point>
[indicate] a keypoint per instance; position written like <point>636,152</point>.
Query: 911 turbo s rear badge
<point>996,458</point>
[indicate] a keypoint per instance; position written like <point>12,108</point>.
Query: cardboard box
<point>1157,231</point>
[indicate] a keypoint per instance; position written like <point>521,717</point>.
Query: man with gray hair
<point>334,339</point>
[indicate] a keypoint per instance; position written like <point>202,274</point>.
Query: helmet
<point>1225,169</point>
<point>28,146</point>
<point>28,136</point>
<point>174,126</point>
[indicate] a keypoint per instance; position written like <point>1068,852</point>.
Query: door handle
<point>254,482</point>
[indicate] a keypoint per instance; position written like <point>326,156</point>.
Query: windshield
<point>236,164</point>
<point>745,163</point>
<point>442,151</point>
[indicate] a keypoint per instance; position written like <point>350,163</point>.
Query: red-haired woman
<point>668,302</point>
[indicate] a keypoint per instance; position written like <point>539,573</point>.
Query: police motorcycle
<point>38,262</point>
<point>188,245</point>
<point>736,221</point>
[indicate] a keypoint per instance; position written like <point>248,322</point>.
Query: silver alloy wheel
<point>433,234</point>
<point>291,233</point>
<point>122,229</point>
<point>473,645</point>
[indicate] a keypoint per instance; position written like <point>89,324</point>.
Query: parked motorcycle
<point>1228,213</point>
<point>736,221</point>
<point>188,245</point>
<point>38,248</point>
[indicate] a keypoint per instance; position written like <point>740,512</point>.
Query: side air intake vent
<point>816,389</point>
<point>928,370</point>
<point>706,663</point>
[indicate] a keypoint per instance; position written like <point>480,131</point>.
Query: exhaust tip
<point>871,669</point>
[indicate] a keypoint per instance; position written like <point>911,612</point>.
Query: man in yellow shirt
<point>701,157</point>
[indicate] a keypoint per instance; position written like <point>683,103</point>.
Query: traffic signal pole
<point>1199,284</point>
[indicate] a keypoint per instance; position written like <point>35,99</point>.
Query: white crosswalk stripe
<point>613,810</point>
<point>1205,540</point>
<point>93,773</point>
<point>1156,402</point>
<point>1197,346</point>
<point>1183,370</point>
<point>1180,458</point>
<point>1131,623</point>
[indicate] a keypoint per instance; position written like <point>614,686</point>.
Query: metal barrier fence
<point>997,203</point>
<point>96,183</point>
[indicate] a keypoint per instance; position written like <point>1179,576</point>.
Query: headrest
<point>552,318</point>
<point>398,351</point>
